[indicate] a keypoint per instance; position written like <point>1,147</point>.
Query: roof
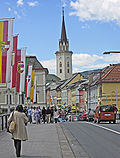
<point>35,63</point>
<point>70,79</point>
<point>110,74</point>
<point>52,78</point>
<point>63,32</point>
<point>105,105</point>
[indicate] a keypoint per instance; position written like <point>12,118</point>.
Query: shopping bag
<point>12,126</point>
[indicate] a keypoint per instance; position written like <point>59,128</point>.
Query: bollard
<point>6,121</point>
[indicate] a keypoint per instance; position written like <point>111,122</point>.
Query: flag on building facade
<point>32,86</point>
<point>22,69</point>
<point>14,61</point>
<point>28,82</point>
<point>35,88</point>
<point>17,70</point>
<point>6,47</point>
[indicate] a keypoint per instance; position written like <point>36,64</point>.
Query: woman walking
<point>56,115</point>
<point>44,114</point>
<point>36,115</point>
<point>20,133</point>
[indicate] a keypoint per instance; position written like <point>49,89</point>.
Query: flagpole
<point>8,92</point>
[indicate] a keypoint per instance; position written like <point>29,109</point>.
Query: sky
<point>92,27</point>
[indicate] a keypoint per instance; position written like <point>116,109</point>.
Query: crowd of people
<point>44,115</point>
<point>21,116</point>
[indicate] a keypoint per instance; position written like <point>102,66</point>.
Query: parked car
<point>75,118</point>
<point>79,116</point>
<point>83,116</point>
<point>105,113</point>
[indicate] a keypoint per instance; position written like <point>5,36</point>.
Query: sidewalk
<point>45,141</point>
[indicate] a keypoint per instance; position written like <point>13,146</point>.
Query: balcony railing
<point>3,121</point>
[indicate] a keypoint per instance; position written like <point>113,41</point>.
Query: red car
<point>83,116</point>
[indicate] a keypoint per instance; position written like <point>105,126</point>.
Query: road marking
<point>111,130</point>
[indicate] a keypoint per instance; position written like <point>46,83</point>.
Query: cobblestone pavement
<point>45,141</point>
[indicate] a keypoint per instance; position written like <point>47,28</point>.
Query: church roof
<point>52,78</point>
<point>63,32</point>
<point>35,63</point>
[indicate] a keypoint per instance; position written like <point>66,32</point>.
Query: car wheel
<point>114,121</point>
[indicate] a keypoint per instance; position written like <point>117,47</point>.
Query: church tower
<point>64,56</point>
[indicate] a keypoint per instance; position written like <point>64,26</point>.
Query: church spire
<point>63,32</point>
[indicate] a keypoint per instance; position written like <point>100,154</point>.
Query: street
<point>98,140</point>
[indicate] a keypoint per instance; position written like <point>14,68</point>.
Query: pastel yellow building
<point>111,94</point>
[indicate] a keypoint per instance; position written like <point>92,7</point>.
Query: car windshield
<point>107,109</point>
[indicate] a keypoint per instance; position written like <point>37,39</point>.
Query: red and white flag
<point>22,70</point>
<point>14,61</point>
<point>9,47</point>
<point>28,82</point>
<point>35,88</point>
<point>18,70</point>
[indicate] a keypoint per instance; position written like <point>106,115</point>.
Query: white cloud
<point>17,15</point>
<point>64,3</point>
<point>83,62</point>
<point>20,3</point>
<point>33,4</point>
<point>9,9</point>
<point>111,58</point>
<point>83,59</point>
<point>85,26</point>
<point>50,64</point>
<point>99,10</point>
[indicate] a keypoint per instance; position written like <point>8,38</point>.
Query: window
<point>67,70</point>
<point>10,97</point>
<point>68,64</point>
<point>107,109</point>
<point>60,70</point>
<point>60,64</point>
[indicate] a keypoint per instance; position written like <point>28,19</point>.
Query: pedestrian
<point>48,113</point>
<point>33,110</point>
<point>44,114</point>
<point>20,133</point>
<point>36,115</point>
<point>56,115</point>
<point>39,109</point>
<point>30,115</point>
<point>51,115</point>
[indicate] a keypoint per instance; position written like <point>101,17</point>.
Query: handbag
<point>12,124</point>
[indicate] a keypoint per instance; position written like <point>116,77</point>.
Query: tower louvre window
<point>60,70</point>
<point>68,64</point>
<point>60,64</point>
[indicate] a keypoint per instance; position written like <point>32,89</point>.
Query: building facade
<point>9,97</point>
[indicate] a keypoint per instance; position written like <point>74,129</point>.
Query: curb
<point>66,151</point>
